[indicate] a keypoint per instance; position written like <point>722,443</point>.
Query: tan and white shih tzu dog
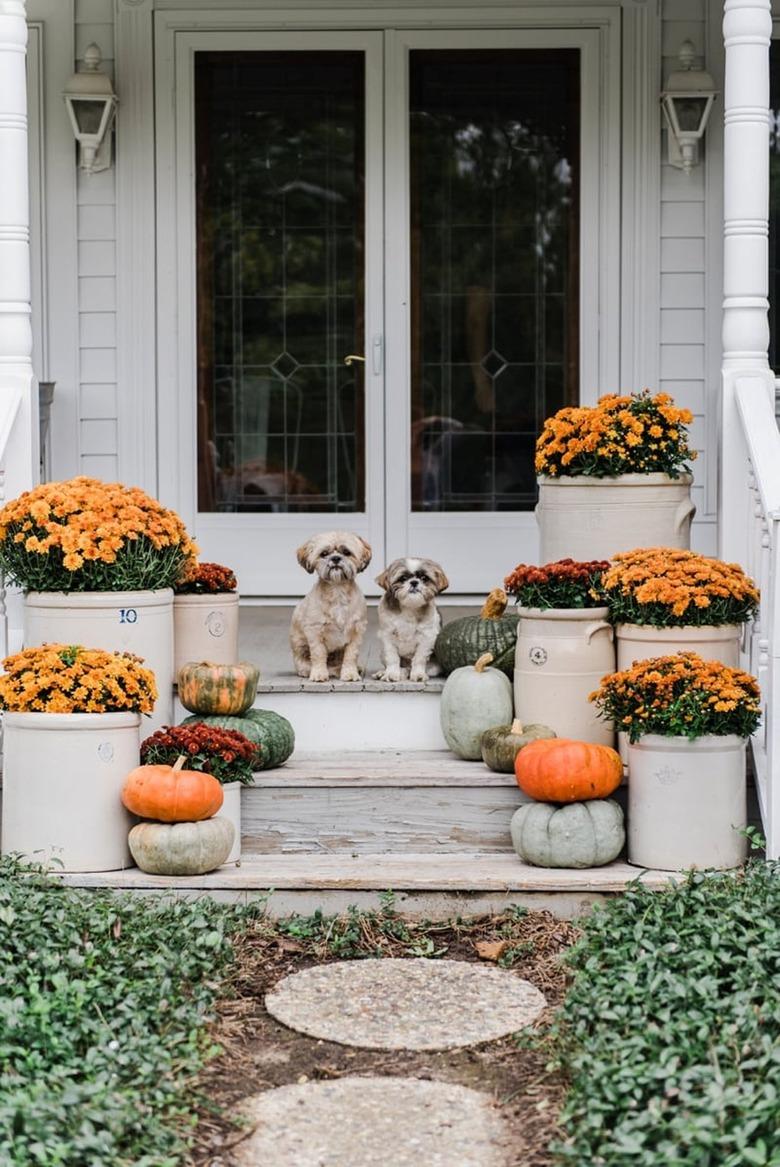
<point>409,620</point>
<point>328,625</point>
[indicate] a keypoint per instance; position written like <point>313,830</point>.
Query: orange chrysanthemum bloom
<point>636,433</point>
<point>88,535</point>
<point>680,695</point>
<point>666,586</point>
<point>66,678</point>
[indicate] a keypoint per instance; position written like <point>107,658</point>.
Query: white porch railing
<point>761,508</point>
<point>13,443</point>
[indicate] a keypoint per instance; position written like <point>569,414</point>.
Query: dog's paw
<point>303,670</point>
<point>390,675</point>
<point>419,676</point>
<point>319,673</point>
<point>349,674</point>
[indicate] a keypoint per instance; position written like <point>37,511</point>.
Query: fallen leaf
<point>290,946</point>
<point>491,949</point>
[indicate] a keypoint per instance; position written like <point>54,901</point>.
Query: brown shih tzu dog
<point>409,621</point>
<point>328,625</point>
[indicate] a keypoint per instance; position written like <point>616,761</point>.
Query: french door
<point>385,279</point>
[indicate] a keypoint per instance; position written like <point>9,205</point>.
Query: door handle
<point>376,356</point>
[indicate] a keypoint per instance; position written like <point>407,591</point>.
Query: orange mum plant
<point>666,587</point>
<point>87,535</point>
<point>680,695</point>
<point>66,678</point>
<point>623,434</point>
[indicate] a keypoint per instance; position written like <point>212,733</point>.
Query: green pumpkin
<point>464,641</point>
<point>473,699</point>
<point>270,731</point>
<point>579,834</point>
<point>502,743</point>
<point>181,848</point>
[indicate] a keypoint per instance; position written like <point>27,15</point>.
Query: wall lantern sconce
<point>687,100</point>
<point>91,104</point>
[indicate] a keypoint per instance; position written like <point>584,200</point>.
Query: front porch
<point>359,745</point>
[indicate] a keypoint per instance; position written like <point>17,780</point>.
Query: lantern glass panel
<point>88,115</point>
<point>690,111</point>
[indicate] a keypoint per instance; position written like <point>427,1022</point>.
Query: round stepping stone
<point>360,1122</point>
<point>414,1004</point>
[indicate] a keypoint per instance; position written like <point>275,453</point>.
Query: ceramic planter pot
<point>231,810</point>
<point>561,656</point>
<point>62,778</point>
<point>686,802</point>
<point>137,622</point>
<point>643,641</point>
<point>594,518</point>
<point>205,628</point>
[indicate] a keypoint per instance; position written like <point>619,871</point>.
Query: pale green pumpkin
<point>579,834</point>
<point>474,699</point>
<point>181,848</point>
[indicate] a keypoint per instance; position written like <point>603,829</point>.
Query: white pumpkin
<point>579,834</point>
<point>474,699</point>
<point>181,848</point>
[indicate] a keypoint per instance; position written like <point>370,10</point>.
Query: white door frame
<point>628,267</point>
<point>478,548</point>
<point>257,546</point>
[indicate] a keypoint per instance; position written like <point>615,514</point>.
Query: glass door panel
<point>494,268</point>
<point>280,298</point>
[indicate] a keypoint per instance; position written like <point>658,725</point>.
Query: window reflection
<point>494,211</point>
<point>280,281</point>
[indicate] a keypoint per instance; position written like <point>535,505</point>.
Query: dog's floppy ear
<point>365,555</point>
<point>437,573</point>
<point>383,580</point>
<point>304,555</point>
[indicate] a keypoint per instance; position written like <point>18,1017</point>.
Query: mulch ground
<point>260,1054</point>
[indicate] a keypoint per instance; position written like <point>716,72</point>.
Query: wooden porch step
<point>379,801</point>
<point>435,886</point>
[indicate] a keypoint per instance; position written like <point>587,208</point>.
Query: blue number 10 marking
<point>128,616</point>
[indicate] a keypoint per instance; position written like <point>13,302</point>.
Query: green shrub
<point>104,1004</point>
<point>671,1030</point>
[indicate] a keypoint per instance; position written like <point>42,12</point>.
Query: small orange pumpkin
<point>171,794</point>
<point>562,770</point>
<point>224,690</point>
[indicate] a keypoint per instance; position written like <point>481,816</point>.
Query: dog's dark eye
<point>423,578</point>
<point>403,578</point>
<point>324,554</point>
<point>344,551</point>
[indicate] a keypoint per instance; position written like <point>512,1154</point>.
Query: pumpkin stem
<point>483,661</point>
<point>517,726</point>
<point>179,763</point>
<point>495,605</point>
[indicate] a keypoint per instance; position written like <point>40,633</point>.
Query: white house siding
<point>690,264</point>
<point>97,278</point>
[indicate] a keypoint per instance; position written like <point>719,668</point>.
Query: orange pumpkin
<point>170,794</point>
<point>224,690</point>
<point>562,770</point>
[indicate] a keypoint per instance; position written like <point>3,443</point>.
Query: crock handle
<point>685,511</point>
<point>596,626</point>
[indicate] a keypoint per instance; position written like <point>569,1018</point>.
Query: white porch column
<point>19,462</point>
<point>18,405</point>
<point>747,31</point>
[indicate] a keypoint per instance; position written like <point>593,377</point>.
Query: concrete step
<point>385,801</point>
<point>433,886</point>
